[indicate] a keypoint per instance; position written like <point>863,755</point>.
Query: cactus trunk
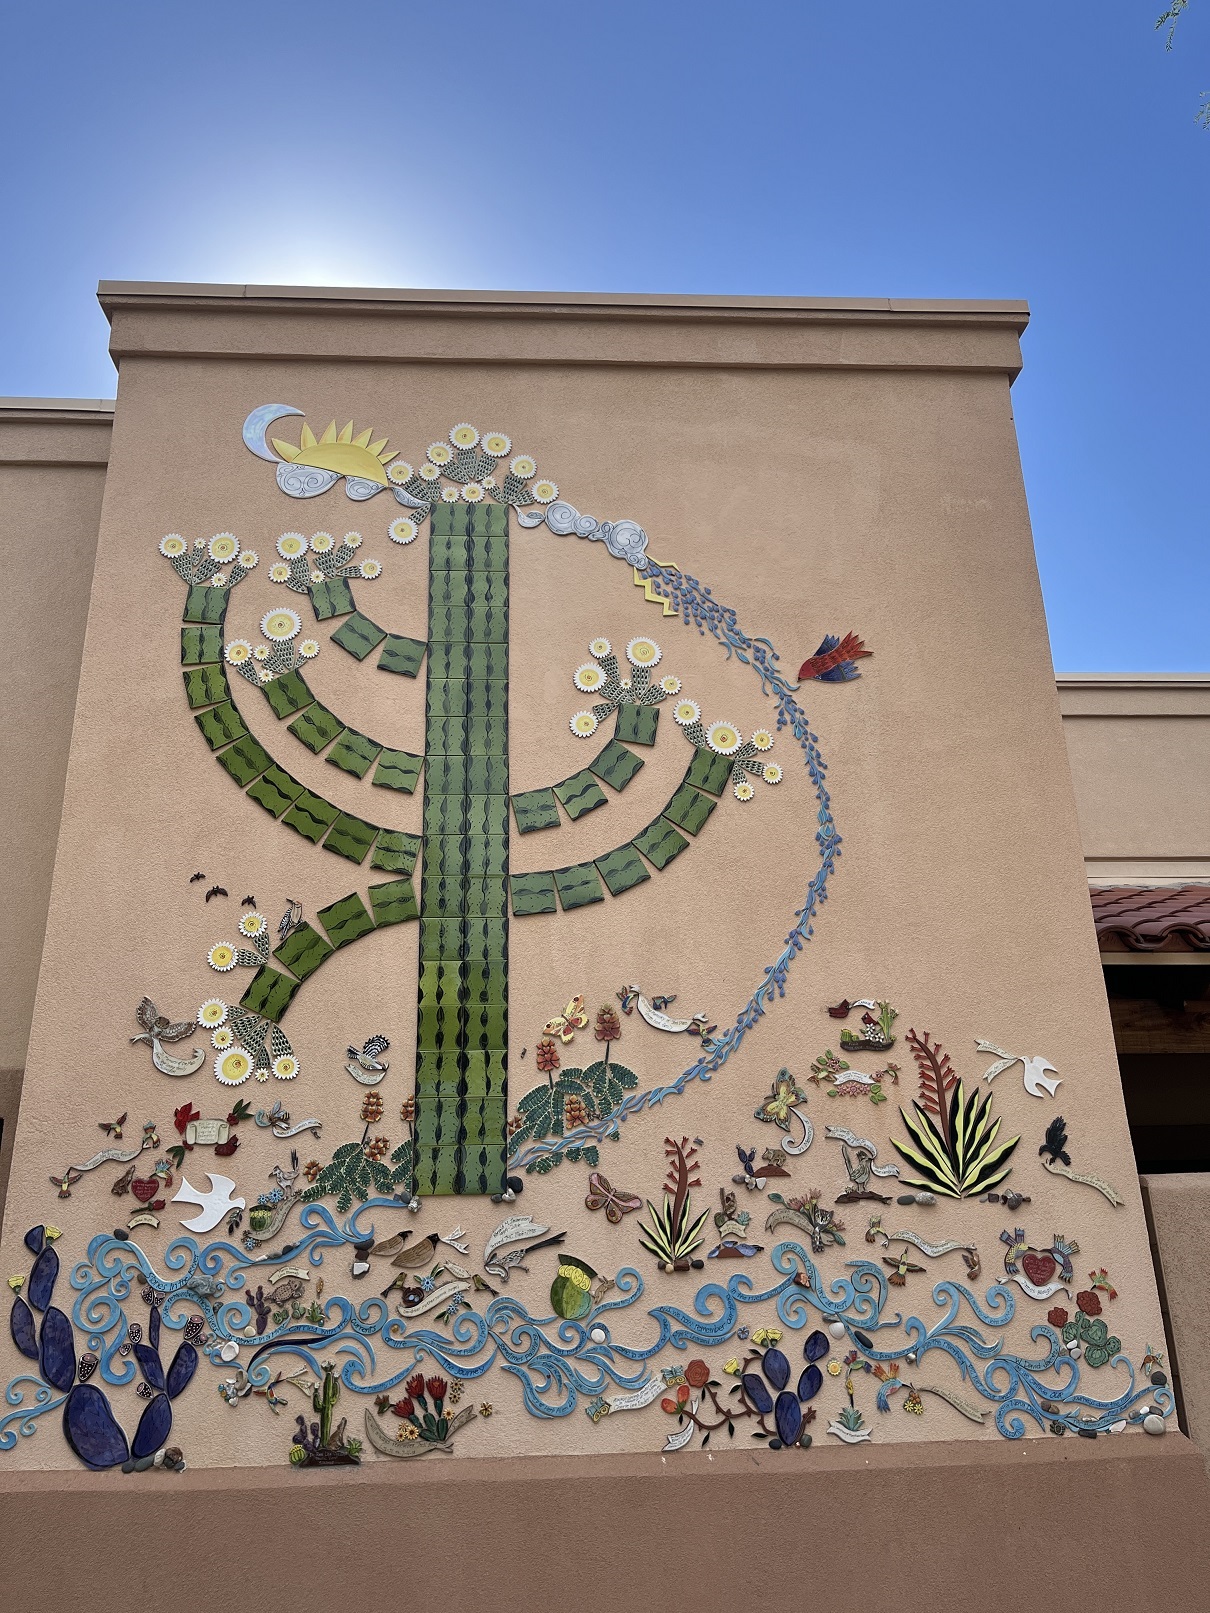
<point>462,1011</point>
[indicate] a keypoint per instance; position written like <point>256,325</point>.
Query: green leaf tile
<point>395,851</point>
<point>689,808</point>
<point>205,686</point>
<point>393,903</point>
<point>660,842</point>
<point>220,725</point>
<point>303,950</point>
<point>616,765</point>
<point>622,869</point>
<point>354,753</point>
<point>346,920</point>
<point>287,694</point>
<point>316,727</point>
<point>578,885</point>
<point>533,893</point>
<point>402,655</point>
<point>358,635</point>
<point>580,794</point>
<point>350,837</point>
<point>246,760</point>
<point>637,724</point>
<point>398,770</point>
<point>269,994</point>
<point>708,772</point>
<point>275,790</point>
<point>311,816</point>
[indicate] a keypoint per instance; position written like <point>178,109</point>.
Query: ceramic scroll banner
<point>115,1156</point>
<point>158,1029</point>
<point>1057,1161</point>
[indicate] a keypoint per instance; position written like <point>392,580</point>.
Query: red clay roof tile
<point>1145,918</point>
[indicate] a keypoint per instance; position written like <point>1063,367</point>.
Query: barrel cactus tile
<point>246,760</point>
<point>395,851</point>
<point>346,920</point>
<point>533,893</point>
<point>354,753</point>
<point>622,869</point>
<point>708,772</point>
<point>200,643</point>
<point>616,765</point>
<point>311,816</point>
<point>275,790</point>
<point>637,724</point>
<point>350,837</point>
<point>393,903</point>
<point>578,885</point>
<point>660,842</point>
<point>221,725</point>
<point>332,597</point>
<point>269,994</point>
<point>580,794</point>
<point>689,808</point>
<point>205,686</point>
<point>535,809</point>
<point>303,950</point>
<point>402,655</point>
<point>287,694</point>
<point>204,604</point>
<point>316,727</point>
<point>358,635</point>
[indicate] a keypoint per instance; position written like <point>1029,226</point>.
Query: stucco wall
<point>820,469</point>
<point>52,475</point>
<point>1140,757</point>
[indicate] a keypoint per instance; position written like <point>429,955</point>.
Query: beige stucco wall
<point>1140,757</point>
<point>52,474</point>
<point>820,468</point>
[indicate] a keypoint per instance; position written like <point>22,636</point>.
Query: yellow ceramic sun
<point>339,451</point>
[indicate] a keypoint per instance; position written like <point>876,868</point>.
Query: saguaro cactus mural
<point>460,1142</point>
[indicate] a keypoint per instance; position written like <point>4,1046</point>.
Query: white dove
<point>1037,1083</point>
<point>214,1206</point>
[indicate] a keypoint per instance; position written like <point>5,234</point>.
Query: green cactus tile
<point>622,870</point>
<point>708,772</point>
<point>269,994</point>
<point>532,893</point>
<point>448,592</point>
<point>246,760</point>
<point>200,643</point>
<point>354,753</point>
<point>436,1026</point>
<point>445,736</point>
<point>439,1074</point>
<point>485,898</point>
<point>441,984</point>
<point>287,694</point>
<point>580,794</point>
<point>316,727</point>
<point>441,939</point>
<point>487,618</point>
<point>445,697</point>
<point>486,939</point>
<point>203,604</point>
<point>486,814</point>
<point>393,903</point>
<point>351,837</point>
<point>637,724</point>
<point>449,521</point>
<point>446,774</point>
<point>448,551</point>
<point>395,851</point>
<point>616,765</point>
<point>689,808</point>
<point>435,1121</point>
<point>487,697</point>
<point>358,635</point>
<point>275,790</point>
<point>535,809</point>
<point>483,1122</point>
<point>487,1072</point>
<point>447,626</point>
<point>472,856</point>
<point>660,843</point>
<point>486,735</point>
<point>332,598</point>
<point>578,886</point>
<point>442,898</point>
<point>402,655</point>
<point>486,1025</point>
<point>487,775</point>
<point>487,662</point>
<point>484,981</point>
<point>448,661</point>
<point>303,950</point>
<point>221,725</point>
<point>488,551</point>
<point>205,686</point>
<point>438,1170</point>
<point>311,816</point>
<point>482,1169</point>
<point>346,920</point>
<point>445,814</point>
<point>398,770</point>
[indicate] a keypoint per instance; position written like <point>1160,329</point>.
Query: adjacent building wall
<point>53,453</point>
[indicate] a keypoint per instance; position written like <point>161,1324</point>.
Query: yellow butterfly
<point>565,1025</point>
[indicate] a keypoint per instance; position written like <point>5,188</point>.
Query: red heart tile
<point>1039,1268</point>
<point>145,1188</point>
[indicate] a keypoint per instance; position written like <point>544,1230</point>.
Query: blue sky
<point>1008,148</point>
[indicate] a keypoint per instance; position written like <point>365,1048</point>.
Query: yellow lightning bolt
<point>648,587</point>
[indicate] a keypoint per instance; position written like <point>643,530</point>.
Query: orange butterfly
<point>565,1025</point>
